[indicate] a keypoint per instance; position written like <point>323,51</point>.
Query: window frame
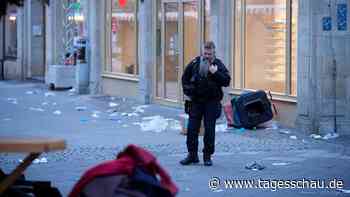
<point>6,22</point>
<point>107,69</point>
<point>241,39</point>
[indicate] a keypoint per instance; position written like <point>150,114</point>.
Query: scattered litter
<point>57,112</point>
<point>221,128</point>
<point>217,190</point>
<point>329,136</point>
<point>29,92</point>
<point>345,191</point>
<point>187,189</point>
<point>140,109</point>
<point>111,104</point>
<point>154,123</point>
<point>114,118</point>
<point>54,104</point>
<point>13,100</point>
<point>124,114</point>
<point>71,94</point>
<point>111,110</point>
<point>124,99</point>
<point>304,141</point>
<point>94,115</point>
<point>114,114</point>
<point>254,166</point>
<point>47,94</point>
<point>42,160</point>
<point>82,120</point>
<point>280,164</point>
<point>80,108</point>
<point>96,112</point>
<point>125,126</point>
<point>133,114</point>
<point>44,103</point>
<point>284,131</point>
<point>112,98</point>
<point>36,109</point>
<point>315,136</point>
<point>293,137</point>
<point>72,90</point>
<point>174,124</point>
<point>269,125</point>
<point>37,161</point>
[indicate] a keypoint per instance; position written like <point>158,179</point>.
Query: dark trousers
<point>210,111</point>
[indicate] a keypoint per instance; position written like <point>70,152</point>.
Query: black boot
<point>191,158</point>
<point>207,159</point>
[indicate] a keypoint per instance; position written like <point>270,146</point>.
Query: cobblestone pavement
<point>98,127</point>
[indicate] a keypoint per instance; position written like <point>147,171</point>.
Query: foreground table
<point>33,147</point>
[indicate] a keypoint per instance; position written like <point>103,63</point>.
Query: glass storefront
<point>122,37</point>
<point>264,46</point>
<point>11,33</point>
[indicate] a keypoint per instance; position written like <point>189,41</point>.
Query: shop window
<point>207,8</point>
<point>11,34</point>
<point>123,37</point>
<point>265,46</point>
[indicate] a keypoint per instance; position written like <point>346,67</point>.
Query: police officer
<point>202,82</point>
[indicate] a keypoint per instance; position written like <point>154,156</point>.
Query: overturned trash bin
<point>252,109</point>
<point>82,67</point>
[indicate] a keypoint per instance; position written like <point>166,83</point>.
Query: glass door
<point>179,45</point>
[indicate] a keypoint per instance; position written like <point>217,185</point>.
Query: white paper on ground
<point>280,164</point>
<point>293,137</point>
<point>47,94</point>
<point>57,112</point>
<point>36,109</point>
<point>330,136</point>
<point>111,104</point>
<point>315,136</point>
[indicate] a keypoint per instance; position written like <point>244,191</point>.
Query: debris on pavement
<point>254,166</point>
<point>54,104</point>
<point>111,104</point>
<point>95,115</point>
<point>269,125</point>
<point>139,109</point>
<point>158,124</point>
<point>280,164</point>
<point>44,103</point>
<point>80,108</point>
<point>293,137</point>
<point>112,98</point>
<point>329,136</point>
<point>221,128</point>
<point>13,100</point>
<point>42,160</point>
<point>36,161</point>
<point>83,120</point>
<point>315,136</point>
<point>36,109</point>
<point>72,90</point>
<point>47,94</point>
<point>57,112</point>
<point>284,131</point>
<point>29,92</point>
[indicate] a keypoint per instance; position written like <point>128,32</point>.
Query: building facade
<point>22,40</point>
<point>296,49</point>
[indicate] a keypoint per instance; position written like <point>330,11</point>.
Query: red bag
<point>229,113</point>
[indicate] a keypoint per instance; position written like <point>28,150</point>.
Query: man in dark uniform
<point>202,83</point>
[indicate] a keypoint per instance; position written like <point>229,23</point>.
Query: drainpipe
<point>3,49</point>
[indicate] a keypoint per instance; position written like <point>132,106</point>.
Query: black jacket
<point>201,89</point>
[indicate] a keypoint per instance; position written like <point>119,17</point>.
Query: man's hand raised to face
<point>213,68</point>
